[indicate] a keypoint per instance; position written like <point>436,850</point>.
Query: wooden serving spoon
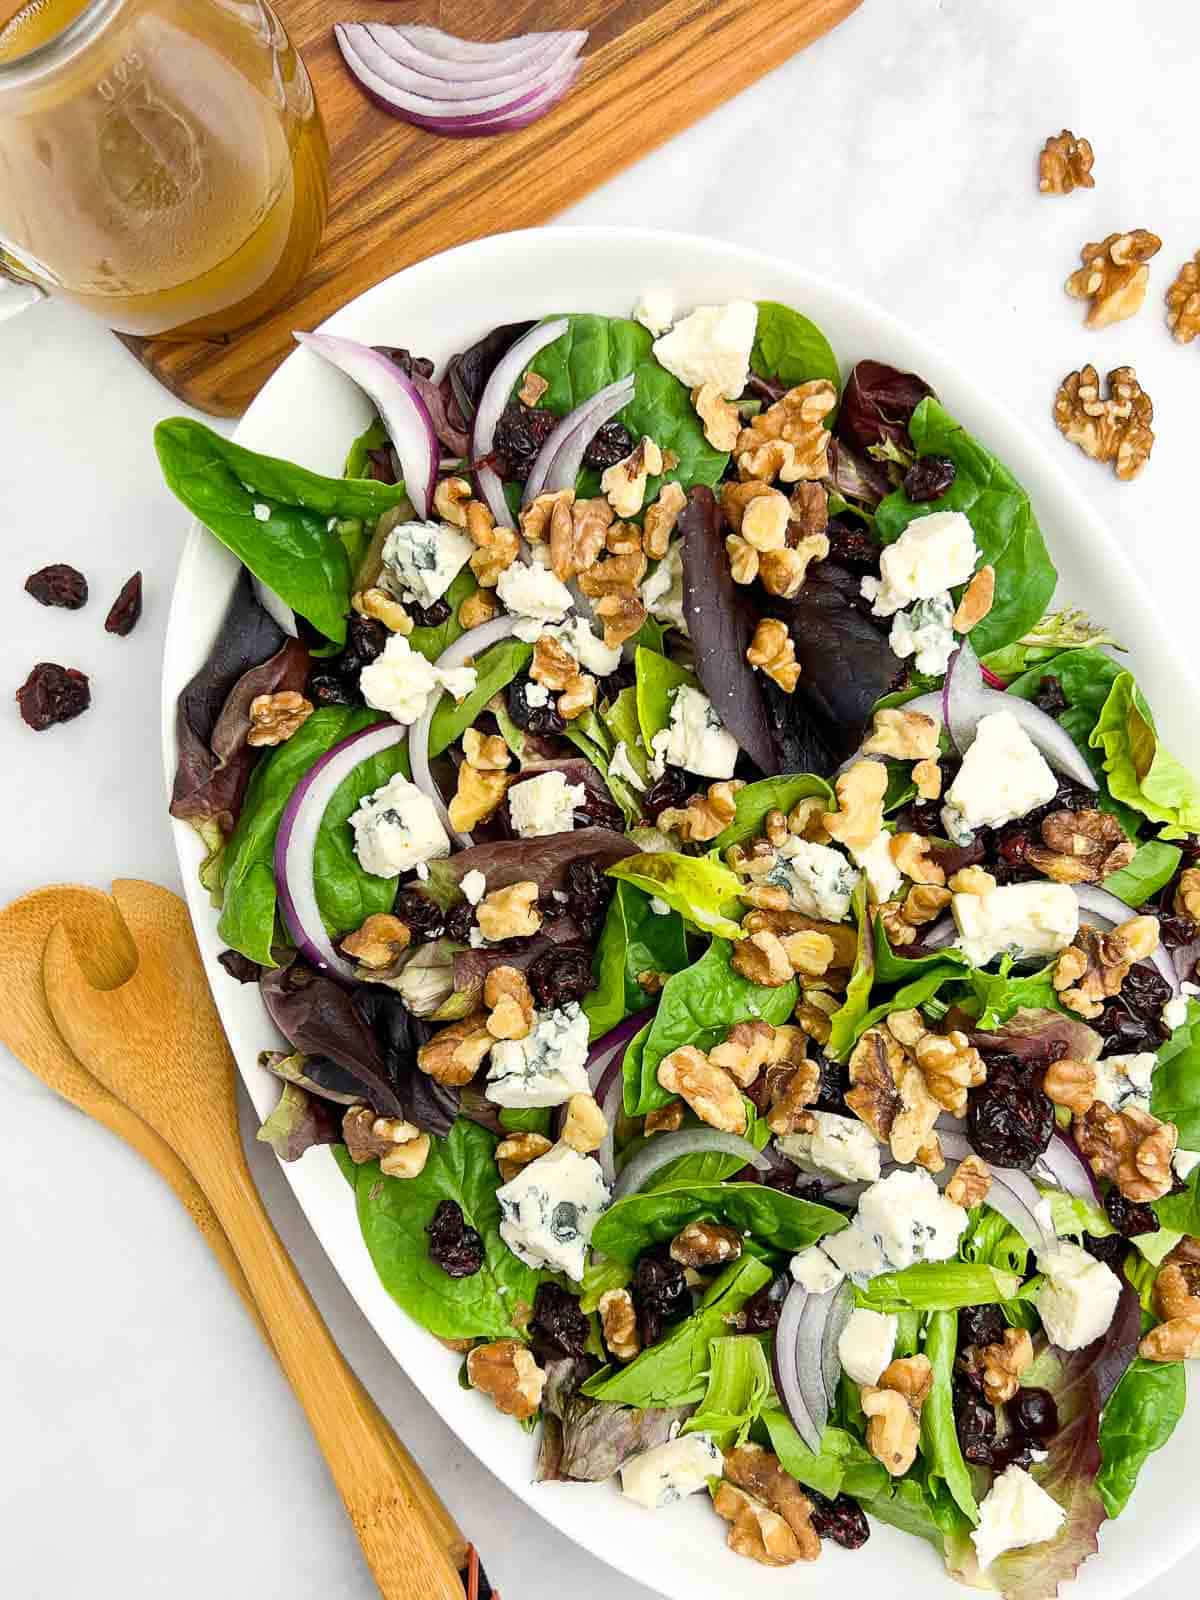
<point>155,1042</point>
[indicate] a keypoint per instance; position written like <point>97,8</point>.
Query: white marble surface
<point>149,1442</point>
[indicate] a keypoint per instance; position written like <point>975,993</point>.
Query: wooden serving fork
<point>155,1042</point>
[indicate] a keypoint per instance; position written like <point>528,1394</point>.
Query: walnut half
<point>1117,429</point>
<point>894,1409</point>
<point>508,1373</point>
<point>1065,164</point>
<point>1114,275</point>
<point>1081,847</point>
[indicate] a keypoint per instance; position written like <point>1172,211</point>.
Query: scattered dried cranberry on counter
<point>453,1246</point>
<point>53,694</point>
<point>126,609</point>
<point>928,478</point>
<point>58,585</point>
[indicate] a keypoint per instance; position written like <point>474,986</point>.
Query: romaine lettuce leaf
<point>1141,774</point>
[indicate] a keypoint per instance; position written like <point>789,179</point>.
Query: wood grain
<point>156,1043</point>
<point>399,195</point>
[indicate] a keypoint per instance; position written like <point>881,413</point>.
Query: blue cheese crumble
<point>695,738</point>
<point>933,554</point>
<point>926,633</point>
<point>902,1219</point>
<point>422,559</point>
<point>819,880</point>
<point>544,805</point>
<point>545,1068</point>
<point>397,828</point>
<point>842,1146</point>
<point>400,681</point>
<point>1021,919</point>
<point>670,1471</point>
<point>548,1211</point>
<point>1002,777</point>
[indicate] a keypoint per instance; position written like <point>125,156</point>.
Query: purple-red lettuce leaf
<point>543,861</point>
<point>471,967</point>
<point>468,372</point>
<point>315,1074</point>
<point>855,476</point>
<point>877,403</point>
<point>430,1104</point>
<point>298,1122</point>
<point>587,1441</point>
<point>1032,1034</point>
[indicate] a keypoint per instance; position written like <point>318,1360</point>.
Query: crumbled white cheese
<point>1123,1081</point>
<point>1184,1163</point>
<point>545,804</point>
<point>910,1218</point>
<point>667,1473</point>
<point>533,592</point>
<point>546,1067</point>
<point>1003,775</point>
<point>867,1344</point>
<point>620,766</point>
<point>424,558</point>
<point>473,886</point>
<point>925,632</point>
<point>548,1211</point>
<point>659,906</point>
<point>819,880</point>
<point>695,739</point>
<point>1028,919</point>
<point>655,310</point>
<point>400,681</point>
<point>536,694</point>
<point>1016,1513</point>
<point>857,1252</point>
<point>1079,1297</point>
<point>884,878</point>
<point>1175,1012</point>
<point>662,591</point>
<point>422,872</point>
<point>397,828</point>
<point>843,1146</point>
<point>711,345</point>
<point>813,1270</point>
<point>933,554</point>
<point>262,513</point>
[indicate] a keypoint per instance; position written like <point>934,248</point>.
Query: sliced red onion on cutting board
<point>492,402</point>
<point>405,415</point>
<point>556,465</point>
<point>297,837</point>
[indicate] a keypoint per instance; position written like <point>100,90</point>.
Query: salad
<point>736,935</point>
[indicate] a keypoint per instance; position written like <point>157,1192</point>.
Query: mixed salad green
<point>736,936</point>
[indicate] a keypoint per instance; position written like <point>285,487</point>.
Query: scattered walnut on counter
<point>276,717</point>
<point>705,816</point>
<point>1183,302</point>
<point>894,1408</point>
<point>1114,276</point>
<point>1065,164</point>
<point>711,1093</point>
<point>618,1321</point>
<point>506,1371</point>
<point>378,942</point>
<point>517,1151</point>
<point>1130,1147</point>
<point>772,652</point>
<point>1093,969</point>
<point>1081,847</point>
<point>455,1052</point>
<point>789,441</point>
<point>1117,429</point>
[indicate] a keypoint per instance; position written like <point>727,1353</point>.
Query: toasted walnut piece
<point>860,791</point>
<point>894,1410</point>
<point>736,498</point>
<point>578,696</point>
<point>617,575</point>
<point>1114,276</point>
<point>970,1184</point>
<point>766,897</point>
<point>1130,1147</point>
<point>618,1321</point>
<point>478,795</point>
<point>950,1065</point>
<point>762,959</point>
<point>743,559</point>
<point>907,735</point>
<point>506,1371</point>
<point>369,1138</point>
<point>788,1047</point>
<point>666,1119</point>
<point>535,517</point>
<point>705,815</point>
<point>792,1086</point>
<point>1187,893</point>
<point>1117,429</point>
<point>533,387</point>
<point>1093,968</point>
<point>706,1244</point>
<point>509,913</point>
<point>578,535</point>
<point>789,440</point>
<point>450,500</point>
<point>806,820</point>
<point>495,557</point>
<point>781,923</point>
<point>906,1027</point>
<point>765,521</point>
<point>507,996</point>
<point>276,717</point>
<point>809,953</point>
<point>625,482</point>
<point>652,981</point>
<point>517,1151</point>
<point>407,1160</point>
<point>913,854</point>
<point>927,775</point>
<point>1183,302</point>
<point>759,1473</point>
<point>383,607</point>
<point>623,539</point>
<point>971,880</point>
<point>1176,1340</point>
<point>814,1010</point>
<point>1081,847</point>
<point>976,601</point>
<point>1177,1301</point>
<point>755,1530</point>
<point>486,752</point>
<point>553,664</point>
<point>1071,1084</point>
<point>1003,1365</point>
<point>455,1052</point>
<point>481,524</point>
<point>754,862</point>
<point>889,1094</point>
<point>721,418</point>
<point>746,1048</point>
<point>659,522</point>
<point>1065,164</point>
<point>622,616</point>
<point>378,942</point>
<point>775,827</point>
<point>477,609</point>
<point>771,651</point>
<point>809,506</point>
<point>783,571</point>
<point>585,1126</point>
<point>711,1093</point>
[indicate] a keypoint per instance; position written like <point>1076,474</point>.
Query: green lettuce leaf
<point>1175,1091</point>
<point>847,1022</point>
<point>496,668</point>
<point>939,1437</point>
<point>844,1466</point>
<point>789,347</point>
<point>770,794</point>
<point>654,1216</point>
<point>1152,868</point>
<point>703,891</point>
<point>1070,629</point>
<point>1139,1419</point>
<point>1141,774</point>
<point>939,1286</point>
<point>739,1386</point>
<point>634,939</point>
<point>657,679</point>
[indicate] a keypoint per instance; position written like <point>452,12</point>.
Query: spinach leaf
<point>939,1286</point>
<point>346,1166</point>
<point>739,1385</point>
<point>634,939</point>
<point>596,351</point>
<point>1141,774</point>
<point>671,1373</point>
<point>705,893</point>
<point>1152,868</point>
<point>697,1006</point>
<point>655,1216</point>
<point>599,1276</point>
<point>657,680</point>
<point>893,968</point>
<point>939,1437</point>
<point>525,1119</point>
<point>495,668</point>
<point>291,549</point>
<point>346,893</point>
<point>770,794</point>
<point>1181,1211</point>
<point>1138,1420</point>
<point>1175,1091</point>
<point>789,347</point>
<point>433,642</point>
<point>843,1467</point>
<point>1001,516</point>
<point>911,994</point>
<point>394,1213</point>
<point>845,1024</point>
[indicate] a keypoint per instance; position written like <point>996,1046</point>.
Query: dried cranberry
<point>672,789</point>
<point>520,433</point>
<point>383,465</point>
<point>923,817</point>
<point>453,1246</point>
<point>1009,1120</point>
<point>588,892</point>
<point>1110,1249</point>
<point>460,919</point>
<point>835,1080</point>
<point>1174,931</point>
<point>534,719</point>
<point>561,975</point>
<point>1127,1217</point>
<point>1014,1450</point>
<point>843,1520</point>
<point>852,547</point>
<point>422,916</point>
<point>58,585</point>
<point>1050,697</point>
<point>431,616</point>
<point>660,1295</point>
<point>612,443</point>
<point>325,688</point>
<point>928,478</point>
<point>1033,1413</point>
<point>1124,1033</point>
<point>975,1424</point>
<point>126,609</point>
<point>53,694</point>
<point>366,639</point>
<point>239,966</point>
<point>980,1325</point>
<point>761,1312</point>
<point>406,361</point>
<point>558,1327</point>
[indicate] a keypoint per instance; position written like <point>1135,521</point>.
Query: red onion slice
<point>404,413</point>
<point>787,1380</point>
<point>463,649</point>
<point>667,1147</point>
<point>439,78</point>
<point>557,463</point>
<point>1063,1166</point>
<point>1109,909</point>
<point>408,93</point>
<point>967,700</point>
<point>448,48</point>
<point>836,1318</point>
<point>493,401</point>
<point>815,1354</point>
<point>297,837</point>
<point>1013,1194</point>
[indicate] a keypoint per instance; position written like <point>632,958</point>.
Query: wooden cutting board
<point>399,194</point>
